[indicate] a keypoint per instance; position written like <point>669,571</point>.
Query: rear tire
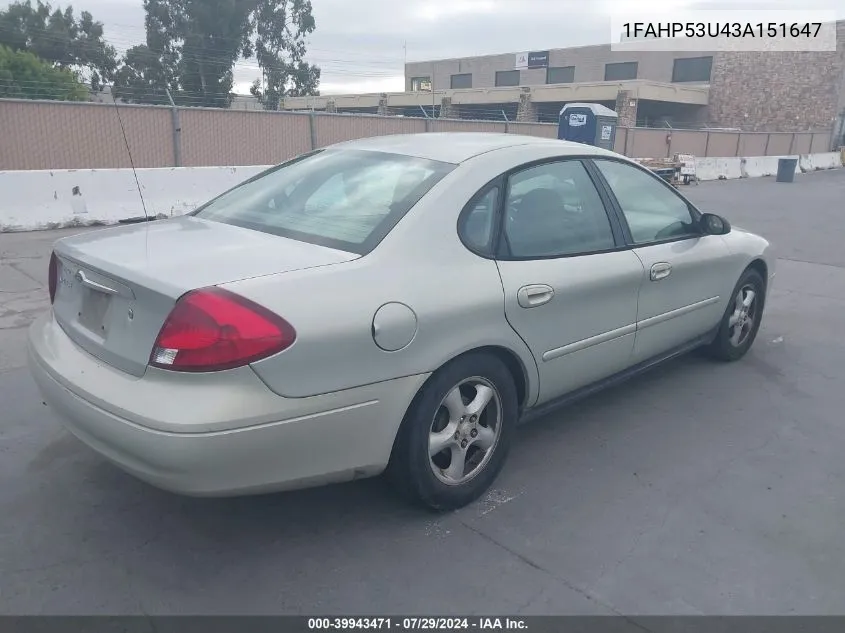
<point>467,410</point>
<point>741,320</point>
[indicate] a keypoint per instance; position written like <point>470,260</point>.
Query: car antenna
<point>129,152</point>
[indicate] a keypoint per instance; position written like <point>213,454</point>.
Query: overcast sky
<point>360,43</point>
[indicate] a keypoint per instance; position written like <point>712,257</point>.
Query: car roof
<point>456,147</point>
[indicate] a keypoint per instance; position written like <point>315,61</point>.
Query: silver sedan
<point>392,304</point>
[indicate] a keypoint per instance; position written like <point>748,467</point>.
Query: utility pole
<point>432,91</point>
<point>177,130</point>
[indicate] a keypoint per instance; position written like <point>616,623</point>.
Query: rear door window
<point>554,210</point>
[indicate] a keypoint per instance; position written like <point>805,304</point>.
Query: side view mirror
<point>712,224</point>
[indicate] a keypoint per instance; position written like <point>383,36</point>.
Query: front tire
<point>455,437</point>
<point>741,320</point>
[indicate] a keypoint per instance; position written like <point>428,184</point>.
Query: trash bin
<point>786,169</point>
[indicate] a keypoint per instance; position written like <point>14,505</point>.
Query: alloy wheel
<point>741,321</point>
<point>465,431</point>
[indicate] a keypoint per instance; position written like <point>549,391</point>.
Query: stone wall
<point>626,108</point>
<point>839,127</point>
<point>448,110</point>
<point>526,111</point>
<point>783,91</point>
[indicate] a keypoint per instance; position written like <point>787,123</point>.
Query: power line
<point>335,70</point>
<point>124,45</point>
<point>188,97</point>
<point>397,58</point>
<point>223,59</point>
<point>231,103</point>
<point>330,67</point>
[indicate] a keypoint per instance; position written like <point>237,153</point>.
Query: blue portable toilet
<point>589,123</point>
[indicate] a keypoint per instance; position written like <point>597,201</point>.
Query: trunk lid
<point>116,287</point>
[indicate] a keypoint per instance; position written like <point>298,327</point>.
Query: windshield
<point>344,199</point>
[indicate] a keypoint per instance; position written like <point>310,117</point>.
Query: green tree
<point>281,27</point>
<point>58,37</point>
<point>204,39</point>
<point>144,77</point>
<point>25,76</point>
<point>193,45</point>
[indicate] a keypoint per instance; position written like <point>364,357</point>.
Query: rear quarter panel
<point>457,298</point>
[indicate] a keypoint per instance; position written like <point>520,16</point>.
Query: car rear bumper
<point>216,434</point>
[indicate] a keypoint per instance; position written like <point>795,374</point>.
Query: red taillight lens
<point>214,329</point>
<point>53,276</point>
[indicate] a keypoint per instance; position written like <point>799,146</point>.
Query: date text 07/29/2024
<point>416,624</point>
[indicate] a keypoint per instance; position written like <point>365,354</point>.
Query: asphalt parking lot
<point>697,489</point>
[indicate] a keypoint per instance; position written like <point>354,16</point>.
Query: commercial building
<point>663,86</point>
<point>752,91</point>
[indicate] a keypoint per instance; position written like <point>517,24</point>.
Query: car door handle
<point>534,295</point>
<point>660,271</point>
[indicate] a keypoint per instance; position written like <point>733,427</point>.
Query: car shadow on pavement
<point>84,513</point>
<point>316,512</point>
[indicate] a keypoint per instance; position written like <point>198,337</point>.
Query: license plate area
<point>93,310</point>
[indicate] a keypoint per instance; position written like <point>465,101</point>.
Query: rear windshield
<point>343,199</point>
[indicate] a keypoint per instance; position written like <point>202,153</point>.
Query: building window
<point>620,71</point>
<point>420,84</point>
<point>462,81</point>
<point>560,75</point>
<point>507,78</point>
<point>692,69</point>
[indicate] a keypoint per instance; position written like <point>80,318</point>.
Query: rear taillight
<point>53,276</point>
<point>213,329</point>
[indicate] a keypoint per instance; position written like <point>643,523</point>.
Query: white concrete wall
<point>717,168</point>
<point>757,166</point>
<point>31,200</point>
